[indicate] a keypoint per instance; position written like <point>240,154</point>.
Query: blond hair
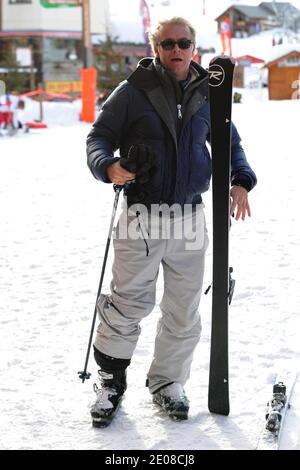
<point>153,34</point>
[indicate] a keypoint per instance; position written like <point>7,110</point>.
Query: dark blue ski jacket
<point>151,107</point>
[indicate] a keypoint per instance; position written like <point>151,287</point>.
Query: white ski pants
<point>133,290</point>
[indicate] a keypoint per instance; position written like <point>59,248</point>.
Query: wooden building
<point>246,20</point>
<point>284,73</point>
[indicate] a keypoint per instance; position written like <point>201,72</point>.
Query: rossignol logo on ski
<point>216,75</point>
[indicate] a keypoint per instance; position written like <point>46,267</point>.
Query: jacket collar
<point>164,92</point>
<point>150,72</point>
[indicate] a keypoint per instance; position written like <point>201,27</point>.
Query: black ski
<point>220,97</point>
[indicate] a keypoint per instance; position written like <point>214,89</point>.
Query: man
<point>159,115</point>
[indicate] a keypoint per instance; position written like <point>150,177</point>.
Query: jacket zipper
<point>179,113</point>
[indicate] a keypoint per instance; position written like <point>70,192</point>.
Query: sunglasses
<point>169,44</point>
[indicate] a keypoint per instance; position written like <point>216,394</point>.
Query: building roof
<point>280,8</point>
<point>280,51</point>
<point>250,58</point>
<point>249,11</point>
<point>265,9</point>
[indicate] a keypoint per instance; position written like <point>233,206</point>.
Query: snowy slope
<point>54,221</point>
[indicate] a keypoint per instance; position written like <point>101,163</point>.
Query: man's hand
<point>240,202</point>
<point>119,175</point>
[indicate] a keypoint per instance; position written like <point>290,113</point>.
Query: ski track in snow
<point>54,222</point>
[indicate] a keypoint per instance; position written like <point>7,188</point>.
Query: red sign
<point>226,36</point>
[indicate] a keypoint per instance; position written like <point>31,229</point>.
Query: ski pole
<point>84,374</point>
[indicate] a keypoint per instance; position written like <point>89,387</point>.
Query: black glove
<point>141,161</point>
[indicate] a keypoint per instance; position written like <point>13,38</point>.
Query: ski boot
<point>172,399</point>
<point>109,397</point>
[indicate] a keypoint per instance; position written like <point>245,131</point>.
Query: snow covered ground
<point>54,221</point>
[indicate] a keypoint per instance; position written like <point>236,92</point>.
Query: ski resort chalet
<point>284,73</point>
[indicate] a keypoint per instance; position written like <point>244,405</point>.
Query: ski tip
<point>222,58</point>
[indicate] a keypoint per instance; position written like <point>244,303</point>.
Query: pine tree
<point>110,65</point>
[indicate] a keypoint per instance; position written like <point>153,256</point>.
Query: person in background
<point>5,112</point>
<point>19,115</point>
<point>159,120</point>
<point>9,104</point>
<point>13,99</point>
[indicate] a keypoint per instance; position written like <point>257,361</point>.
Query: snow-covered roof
<point>265,10</point>
<point>282,8</point>
<point>249,11</point>
<point>281,50</point>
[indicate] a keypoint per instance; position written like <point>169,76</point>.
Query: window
<point>61,50</point>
